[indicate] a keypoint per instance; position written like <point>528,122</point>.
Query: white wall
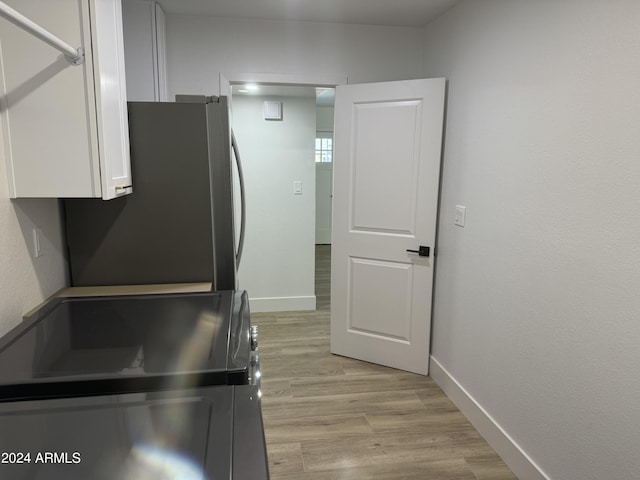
<point>324,119</point>
<point>139,47</point>
<point>277,268</point>
<point>536,301</point>
<point>24,280</point>
<point>324,182</point>
<point>144,49</point>
<point>199,48</point>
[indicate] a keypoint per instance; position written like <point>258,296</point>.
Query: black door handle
<point>422,251</point>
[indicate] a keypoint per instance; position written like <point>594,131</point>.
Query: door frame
<point>227,79</point>
<point>284,79</point>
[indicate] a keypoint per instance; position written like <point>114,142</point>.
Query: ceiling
<point>400,13</point>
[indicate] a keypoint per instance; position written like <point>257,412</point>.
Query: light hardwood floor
<point>328,417</point>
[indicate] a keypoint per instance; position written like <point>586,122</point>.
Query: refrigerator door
<point>177,226</point>
<point>224,255</point>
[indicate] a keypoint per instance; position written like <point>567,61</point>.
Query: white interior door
<point>324,194</point>
<point>388,139</point>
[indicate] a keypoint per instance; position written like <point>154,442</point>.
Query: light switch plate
<point>297,187</point>
<point>460,215</point>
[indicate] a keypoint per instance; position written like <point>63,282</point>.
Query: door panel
<point>373,181</point>
<point>388,139</point>
<point>390,281</point>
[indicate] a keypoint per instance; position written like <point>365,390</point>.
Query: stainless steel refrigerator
<point>178,224</point>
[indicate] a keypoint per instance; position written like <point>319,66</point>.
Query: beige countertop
<point>133,289</point>
<point>107,290</point>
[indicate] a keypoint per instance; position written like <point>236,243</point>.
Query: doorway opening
<point>325,101</point>
<point>287,259</point>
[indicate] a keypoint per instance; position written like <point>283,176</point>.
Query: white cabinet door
<point>65,129</point>
<point>111,97</point>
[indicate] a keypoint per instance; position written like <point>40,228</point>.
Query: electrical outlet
<point>460,215</point>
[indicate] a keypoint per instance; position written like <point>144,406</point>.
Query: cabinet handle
<point>122,187</point>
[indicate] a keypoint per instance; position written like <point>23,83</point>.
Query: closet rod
<point>75,56</point>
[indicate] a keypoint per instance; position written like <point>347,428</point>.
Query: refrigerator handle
<point>243,210</point>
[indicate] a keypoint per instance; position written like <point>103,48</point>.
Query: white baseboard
<point>282,304</point>
<point>516,459</point>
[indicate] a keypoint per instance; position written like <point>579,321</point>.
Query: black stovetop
<point>104,345</point>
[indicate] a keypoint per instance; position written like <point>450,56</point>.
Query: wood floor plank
<point>283,331</point>
<point>456,469</point>
<point>275,388</point>
<point>415,420</point>
<point>435,398</point>
<point>284,458</point>
<point>296,429</point>
<point>281,366</point>
<point>293,348</point>
<point>311,387</point>
<point>489,467</point>
<point>344,404</point>
<point>356,367</point>
<point>388,449</point>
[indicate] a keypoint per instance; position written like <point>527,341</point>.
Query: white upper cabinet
<point>65,128</point>
<point>144,51</point>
